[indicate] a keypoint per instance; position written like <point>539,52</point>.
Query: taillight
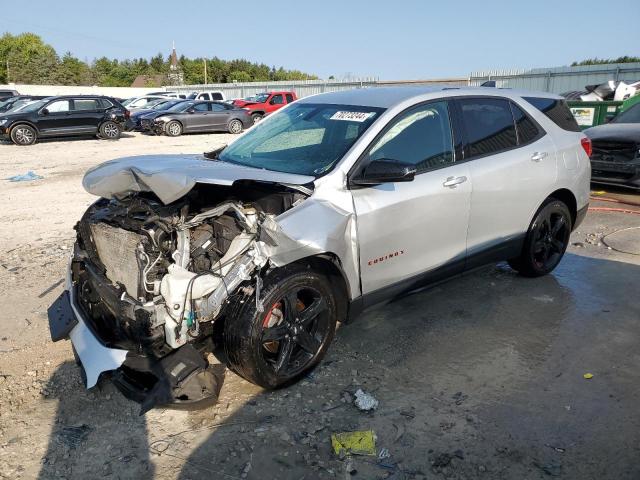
<point>586,144</point>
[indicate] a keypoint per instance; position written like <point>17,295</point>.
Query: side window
<point>276,100</point>
<point>289,98</point>
<point>201,107</point>
<point>216,96</point>
<point>217,107</point>
<point>105,104</point>
<point>557,111</point>
<point>58,106</point>
<point>84,104</point>
<point>526,128</point>
<point>421,137</point>
<point>203,96</point>
<point>488,124</point>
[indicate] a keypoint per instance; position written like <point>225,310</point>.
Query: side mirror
<point>190,110</point>
<point>44,111</point>
<point>385,170</point>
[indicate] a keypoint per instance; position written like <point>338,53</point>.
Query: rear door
<point>219,116</point>
<point>512,171</point>
<point>411,232</point>
<point>86,114</point>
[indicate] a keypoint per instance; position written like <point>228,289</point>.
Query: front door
<point>411,232</point>
<point>55,118</point>
<point>198,119</point>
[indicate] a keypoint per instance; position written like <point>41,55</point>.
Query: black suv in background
<point>65,116</point>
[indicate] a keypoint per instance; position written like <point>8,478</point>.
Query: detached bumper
<point>182,378</point>
<point>66,321</point>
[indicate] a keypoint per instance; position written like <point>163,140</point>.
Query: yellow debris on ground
<point>361,442</point>
<point>588,376</point>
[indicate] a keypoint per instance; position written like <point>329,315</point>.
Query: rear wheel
<point>546,240</point>
<point>110,131</point>
<point>235,126</point>
<point>290,336</point>
<point>173,128</point>
<point>23,135</point>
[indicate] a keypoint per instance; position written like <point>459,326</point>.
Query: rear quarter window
<point>557,111</point>
<point>527,129</point>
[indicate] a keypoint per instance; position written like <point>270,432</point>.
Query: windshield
<point>127,101</point>
<point>632,115</point>
<point>180,107</point>
<point>259,97</point>
<point>307,139</point>
<point>32,107</point>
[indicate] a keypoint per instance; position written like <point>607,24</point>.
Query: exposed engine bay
<point>154,278</point>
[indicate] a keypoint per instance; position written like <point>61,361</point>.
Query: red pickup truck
<point>263,104</point>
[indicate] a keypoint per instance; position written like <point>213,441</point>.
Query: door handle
<point>537,156</point>
<point>453,182</point>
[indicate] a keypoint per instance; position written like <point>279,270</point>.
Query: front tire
<point>23,135</point>
<point>235,126</point>
<point>256,117</point>
<point>173,128</point>
<point>290,336</point>
<point>110,131</point>
<point>546,240</point>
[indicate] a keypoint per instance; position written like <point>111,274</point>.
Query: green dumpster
<point>590,114</point>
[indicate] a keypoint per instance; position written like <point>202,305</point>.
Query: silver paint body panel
<point>432,224</point>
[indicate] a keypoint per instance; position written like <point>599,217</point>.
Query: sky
<point>401,39</point>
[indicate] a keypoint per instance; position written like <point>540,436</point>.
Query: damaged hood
<point>171,177</point>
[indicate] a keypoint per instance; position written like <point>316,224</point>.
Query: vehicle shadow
<point>479,377</point>
<point>95,433</point>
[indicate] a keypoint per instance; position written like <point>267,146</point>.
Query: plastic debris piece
<point>25,177</point>
<point>362,442</point>
<point>384,453</point>
<point>588,376</point>
<point>365,401</point>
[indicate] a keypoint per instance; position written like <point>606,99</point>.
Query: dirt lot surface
<point>480,377</point>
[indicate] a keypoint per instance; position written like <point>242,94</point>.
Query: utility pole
<point>7,70</point>
<point>205,71</point>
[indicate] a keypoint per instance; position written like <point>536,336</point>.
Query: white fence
<point>304,88</point>
<point>52,90</point>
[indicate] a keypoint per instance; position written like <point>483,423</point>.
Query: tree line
<point>27,59</point>
<point>603,61</point>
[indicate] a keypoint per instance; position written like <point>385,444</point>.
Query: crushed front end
<point>149,282</point>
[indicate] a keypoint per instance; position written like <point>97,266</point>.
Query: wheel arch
<point>24,122</point>
<point>569,199</point>
<point>329,264</point>
<point>259,112</point>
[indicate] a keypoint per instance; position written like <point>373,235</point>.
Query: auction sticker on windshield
<point>352,116</point>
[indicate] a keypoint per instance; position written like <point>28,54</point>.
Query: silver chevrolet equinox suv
<point>254,251</point>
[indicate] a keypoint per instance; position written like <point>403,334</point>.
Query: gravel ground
<point>480,377</point>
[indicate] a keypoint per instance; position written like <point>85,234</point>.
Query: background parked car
<point>135,120</point>
<point>8,93</point>
<point>134,103</point>
<point>263,104</point>
<point>202,116</point>
<point>169,94</point>
<point>64,116</point>
<point>11,103</point>
<point>615,158</point>
<point>215,95</point>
